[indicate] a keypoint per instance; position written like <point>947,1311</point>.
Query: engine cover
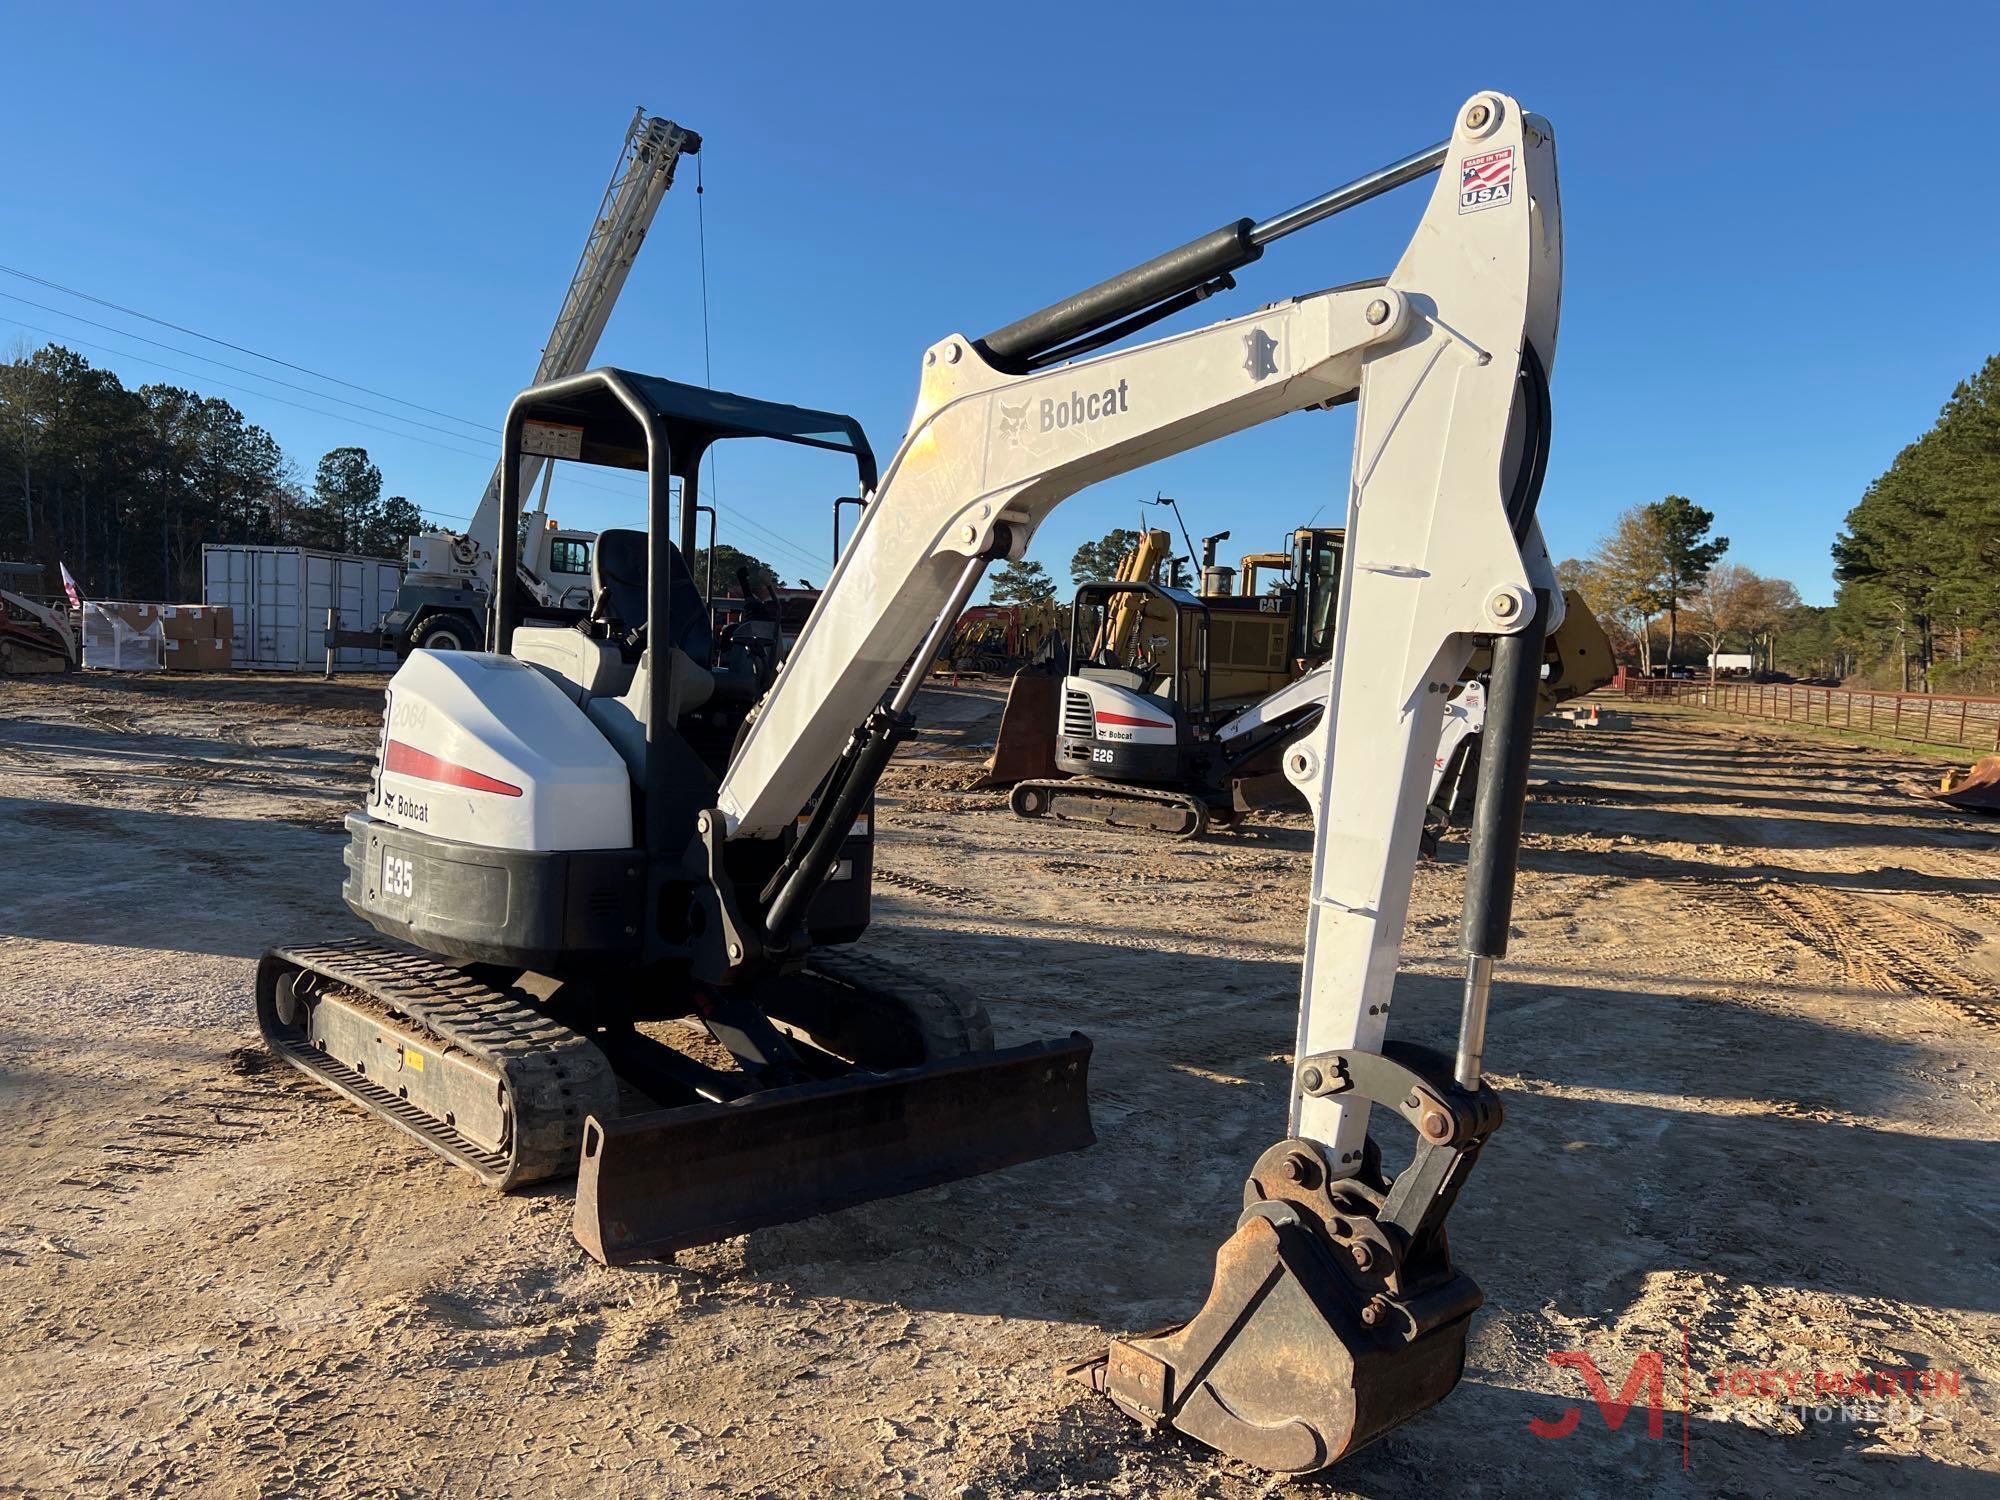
<point>483,749</point>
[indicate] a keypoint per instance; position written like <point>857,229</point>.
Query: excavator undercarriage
<point>898,1088</point>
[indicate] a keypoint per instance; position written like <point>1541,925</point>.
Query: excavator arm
<point>1336,1312</point>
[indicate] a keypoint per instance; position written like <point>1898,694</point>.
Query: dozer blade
<point>1289,1366</point>
<point>1026,744</point>
<point>1977,789</point>
<point>655,1183</point>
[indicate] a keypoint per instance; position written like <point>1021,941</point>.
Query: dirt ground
<point>1746,1037</point>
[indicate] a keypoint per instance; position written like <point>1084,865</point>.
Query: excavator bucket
<point>1579,653</point>
<point>652,1184</point>
<point>1977,789</point>
<point>1285,1367</point>
<point>1025,748</point>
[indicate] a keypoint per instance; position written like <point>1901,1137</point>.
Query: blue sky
<point>1781,221</point>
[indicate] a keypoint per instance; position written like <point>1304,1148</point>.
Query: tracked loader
<point>33,637</point>
<point>585,827</point>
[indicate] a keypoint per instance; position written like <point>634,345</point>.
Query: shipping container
<point>280,597</point>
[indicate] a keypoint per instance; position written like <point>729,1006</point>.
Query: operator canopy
<point>602,417</point>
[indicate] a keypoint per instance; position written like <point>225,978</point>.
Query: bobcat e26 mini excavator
<point>1142,746</point>
<point>533,829</point>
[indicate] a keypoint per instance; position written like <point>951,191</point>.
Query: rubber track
<point>1107,795</point>
<point>954,895</point>
<point>555,1077</point>
<point>952,1017</point>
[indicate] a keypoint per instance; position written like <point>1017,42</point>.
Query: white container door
<point>321,578</point>
<point>384,579</point>
<point>277,595</point>
<point>351,597</point>
<point>225,579</point>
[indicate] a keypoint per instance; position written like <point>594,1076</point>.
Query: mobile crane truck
<point>592,824</point>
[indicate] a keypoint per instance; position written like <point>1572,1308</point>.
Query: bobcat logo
<point>1260,349</point>
<point>1014,422</point>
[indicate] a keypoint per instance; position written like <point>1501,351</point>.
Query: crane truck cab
<point>442,602</point>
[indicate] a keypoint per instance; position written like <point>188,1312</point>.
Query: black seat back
<point>618,572</point>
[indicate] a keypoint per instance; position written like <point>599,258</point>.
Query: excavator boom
<point>1336,1269</point>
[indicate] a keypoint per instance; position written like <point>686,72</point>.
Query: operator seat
<point>618,576</point>
<point>618,569</point>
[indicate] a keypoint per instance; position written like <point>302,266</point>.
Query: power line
<point>408,437</point>
<point>774,538</point>
<point>701,244</point>
<point>225,365</point>
<point>707,356</point>
<point>239,348</point>
<point>771,537</point>
<point>265,395</point>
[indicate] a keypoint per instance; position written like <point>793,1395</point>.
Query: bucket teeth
<point>1281,1367</point>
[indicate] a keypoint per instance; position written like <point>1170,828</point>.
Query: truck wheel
<point>445,633</point>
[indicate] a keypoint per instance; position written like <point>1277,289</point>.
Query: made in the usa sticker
<point>1486,181</point>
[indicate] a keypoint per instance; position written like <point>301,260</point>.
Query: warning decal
<point>1486,181</point>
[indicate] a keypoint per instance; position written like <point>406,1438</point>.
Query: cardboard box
<point>137,618</point>
<point>195,656</point>
<point>195,622</point>
<point>189,637</point>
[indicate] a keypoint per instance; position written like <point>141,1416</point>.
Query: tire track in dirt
<point>185,1124</point>
<point>1878,946</point>
<point>916,885</point>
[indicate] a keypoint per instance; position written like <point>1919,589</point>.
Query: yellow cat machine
<point>1157,673</point>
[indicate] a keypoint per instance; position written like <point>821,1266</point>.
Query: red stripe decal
<point>408,760</point>
<point>1105,718</point>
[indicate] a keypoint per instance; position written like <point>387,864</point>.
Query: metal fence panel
<point>1919,718</point>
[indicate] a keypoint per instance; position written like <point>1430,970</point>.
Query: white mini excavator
<point>588,827</point>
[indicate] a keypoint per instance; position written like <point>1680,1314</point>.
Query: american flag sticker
<point>1486,181</point>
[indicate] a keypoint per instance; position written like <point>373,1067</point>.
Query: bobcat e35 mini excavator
<point>590,826</point>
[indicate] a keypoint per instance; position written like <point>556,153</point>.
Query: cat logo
<point>1260,358</point>
<point>1013,421</point>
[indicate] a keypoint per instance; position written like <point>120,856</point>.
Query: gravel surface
<point>1746,1038</point>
